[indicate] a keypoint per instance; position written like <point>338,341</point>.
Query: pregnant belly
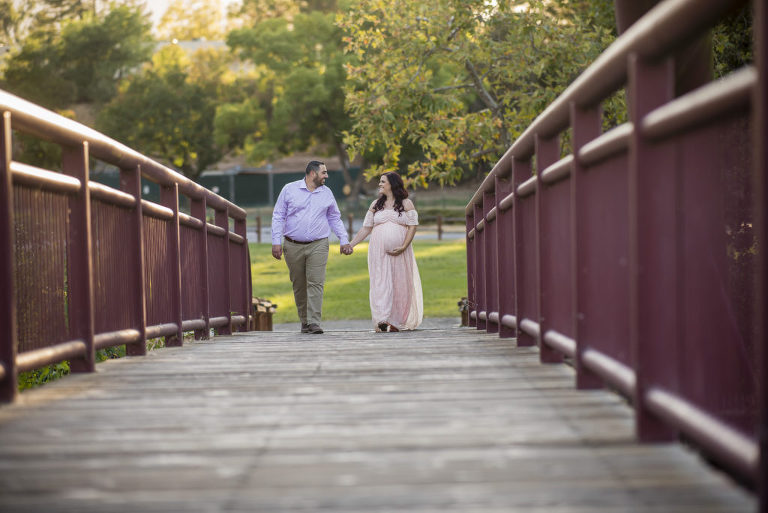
<point>388,236</point>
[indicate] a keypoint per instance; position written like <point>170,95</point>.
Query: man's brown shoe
<point>304,328</point>
<point>315,329</point>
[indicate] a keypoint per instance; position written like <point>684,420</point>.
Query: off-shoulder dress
<point>395,292</point>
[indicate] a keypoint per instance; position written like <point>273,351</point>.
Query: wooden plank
<point>446,419</point>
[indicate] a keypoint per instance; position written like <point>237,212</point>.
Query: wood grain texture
<point>442,419</point>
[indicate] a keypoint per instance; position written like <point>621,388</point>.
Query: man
<point>304,214</point>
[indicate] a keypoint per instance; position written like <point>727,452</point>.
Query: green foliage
<point>161,113</point>
<point>43,375</point>
<point>300,66</point>
<point>252,12</point>
<point>192,19</point>
<point>82,62</point>
<point>461,79</point>
<point>55,371</point>
<point>732,42</point>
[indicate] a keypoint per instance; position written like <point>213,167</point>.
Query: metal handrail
<point>49,126</point>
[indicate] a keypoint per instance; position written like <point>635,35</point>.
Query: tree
<point>249,13</point>
<point>83,62</point>
<point>12,19</point>
<point>192,19</point>
<point>732,42</point>
<point>301,66</point>
<point>459,78</point>
<point>163,114</point>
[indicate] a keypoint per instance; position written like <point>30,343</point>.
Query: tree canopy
<point>165,115</point>
<point>460,79</point>
<point>192,19</point>
<point>82,62</point>
<point>300,64</point>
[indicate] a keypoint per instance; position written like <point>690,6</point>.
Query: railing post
<point>439,227</point>
<point>471,274</point>
<point>521,171</point>
<point>169,197</point>
<point>505,247</point>
<point>350,219</point>
<point>198,210</point>
<point>240,230</point>
<point>490,251</point>
<point>130,182</point>
<point>547,153</point>
<point>80,259</point>
<point>258,229</point>
<point>222,221</point>
<point>587,125</point>
<point>760,181</point>
<point>8,336</point>
<point>480,270</point>
<point>653,243</point>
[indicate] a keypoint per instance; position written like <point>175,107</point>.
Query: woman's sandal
<point>382,327</point>
<point>392,329</point>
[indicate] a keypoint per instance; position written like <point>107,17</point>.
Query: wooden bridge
<point>441,419</point>
<point>617,282</point>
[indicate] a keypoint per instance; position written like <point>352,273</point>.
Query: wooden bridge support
<point>80,258</point>
<point>8,372</point>
<point>760,180</point>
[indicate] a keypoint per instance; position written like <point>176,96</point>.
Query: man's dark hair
<point>314,166</point>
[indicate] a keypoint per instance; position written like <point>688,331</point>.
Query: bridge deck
<point>443,419</point>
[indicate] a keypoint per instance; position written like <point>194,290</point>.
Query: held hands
<point>277,251</point>
<point>396,251</point>
<point>346,249</point>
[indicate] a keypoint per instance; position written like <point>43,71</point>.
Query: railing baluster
<point>198,210</point>
<point>586,124</point>
<point>222,220</point>
<point>80,259</point>
<point>480,270</point>
<point>8,336</point>
<point>760,182</point>
<point>491,288</point>
<point>244,294</point>
<point>169,197</point>
<point>130,182</point>
<point>471,271</point>
<point>547,153</point>
<point>505,249</point>
<point>653,247</point>
<point>521,171</point>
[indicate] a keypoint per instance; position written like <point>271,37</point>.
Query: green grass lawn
<point>442,266</point>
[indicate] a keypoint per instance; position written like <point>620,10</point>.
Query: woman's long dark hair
<point>398,191</point>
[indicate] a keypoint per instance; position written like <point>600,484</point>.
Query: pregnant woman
<point>395,295</point>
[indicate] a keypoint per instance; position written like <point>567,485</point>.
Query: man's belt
<point>299,241</point>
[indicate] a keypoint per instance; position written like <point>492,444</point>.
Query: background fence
<point>639,253</point>
<point>84,266</point>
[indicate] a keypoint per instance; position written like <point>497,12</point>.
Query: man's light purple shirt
<point>306,216</point>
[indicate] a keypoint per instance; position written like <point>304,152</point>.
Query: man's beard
<point>318,181</point>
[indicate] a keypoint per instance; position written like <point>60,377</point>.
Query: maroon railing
<point>636,255</point>
<point>84,266</point>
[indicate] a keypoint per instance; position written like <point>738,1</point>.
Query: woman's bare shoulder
<point>373,203</point>
<point>408,205</point>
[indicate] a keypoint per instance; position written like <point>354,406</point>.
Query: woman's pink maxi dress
<point>395,294</point>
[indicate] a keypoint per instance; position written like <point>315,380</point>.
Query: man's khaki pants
<point>306,267</point>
